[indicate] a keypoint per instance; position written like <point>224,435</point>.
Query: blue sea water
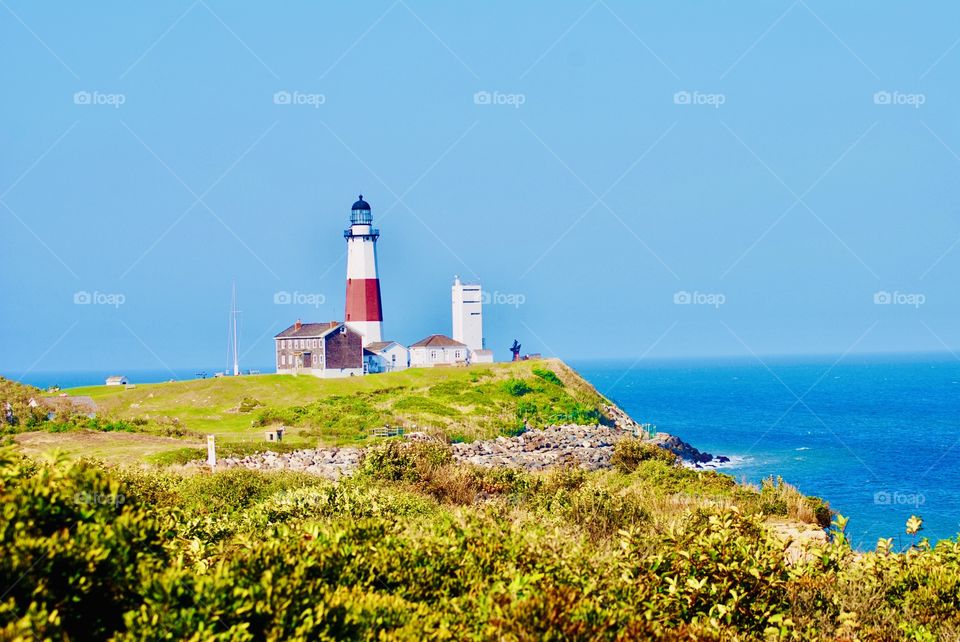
<point>878,437</point>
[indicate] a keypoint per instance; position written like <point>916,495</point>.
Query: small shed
<point>117,380</point>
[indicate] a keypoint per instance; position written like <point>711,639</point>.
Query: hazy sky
<point>680,179</point>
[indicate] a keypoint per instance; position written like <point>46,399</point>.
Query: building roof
<point>380,346</point>
<point>361,205</point>
<point>438,341</point>
<point>308,330</point>
<point>116,378</point>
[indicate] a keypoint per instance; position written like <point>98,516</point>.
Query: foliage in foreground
<point>416,547</point>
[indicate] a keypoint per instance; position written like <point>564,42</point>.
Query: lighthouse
<point>363,312</point>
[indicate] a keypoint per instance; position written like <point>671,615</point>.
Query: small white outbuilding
<point>438,350</point>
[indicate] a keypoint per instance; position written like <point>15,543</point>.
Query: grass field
<point>463,403</point>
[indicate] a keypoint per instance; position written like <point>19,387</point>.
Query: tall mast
<point>233,330</point>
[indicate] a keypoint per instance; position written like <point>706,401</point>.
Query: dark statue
<point>515,350</point>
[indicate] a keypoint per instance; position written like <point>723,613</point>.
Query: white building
<point>385,356</point>
<point>117,381</point>
<point>467,301</point>
<point>438,350</point>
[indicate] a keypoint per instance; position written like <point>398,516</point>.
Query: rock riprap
<point>331,463</point>
<point>590,447</point>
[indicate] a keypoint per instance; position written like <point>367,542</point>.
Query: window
<point>456,355</point>
<point>433,355</point>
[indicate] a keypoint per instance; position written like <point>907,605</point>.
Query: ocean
<point>878,437</point>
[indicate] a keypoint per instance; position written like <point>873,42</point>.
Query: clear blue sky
<point>778,191</point>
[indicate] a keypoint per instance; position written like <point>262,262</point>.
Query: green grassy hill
<point>463,403</point>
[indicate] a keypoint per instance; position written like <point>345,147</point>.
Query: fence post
<point>211,452</point>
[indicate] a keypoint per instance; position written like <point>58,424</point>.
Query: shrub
<point>247,404</point>
<point>548,375</point>
<point>425,405</point>
<point>516,387</point>
<point>406,461</point>
<point>71,544</point>
<point>513,428</point>
<point>630,451</point>
<point>780,498</point>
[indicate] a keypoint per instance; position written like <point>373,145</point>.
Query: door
<point>307,360</point>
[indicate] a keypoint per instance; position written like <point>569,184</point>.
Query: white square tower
<point>468,314</point>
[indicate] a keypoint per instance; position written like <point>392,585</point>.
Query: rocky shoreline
<point>590,447</point>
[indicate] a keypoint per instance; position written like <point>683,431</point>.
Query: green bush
<point>248,404</point>
<point>630,451</point>
<point>516,387</point>
<point>404,460</point>
<point>71,544</point>
<point>417,547</point>
<point>548,375</point>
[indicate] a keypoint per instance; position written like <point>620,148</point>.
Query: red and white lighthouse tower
<point>363,312</point>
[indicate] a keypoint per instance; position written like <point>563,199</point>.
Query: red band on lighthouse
<point>363,300</point>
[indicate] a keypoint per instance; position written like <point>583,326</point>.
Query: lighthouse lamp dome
<point>360,213</point>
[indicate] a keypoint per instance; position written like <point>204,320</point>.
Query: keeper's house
<point>320,349</point>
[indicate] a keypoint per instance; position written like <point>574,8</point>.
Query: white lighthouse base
<point>371,331</point>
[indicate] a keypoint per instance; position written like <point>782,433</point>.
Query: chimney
<point>297,325</point>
